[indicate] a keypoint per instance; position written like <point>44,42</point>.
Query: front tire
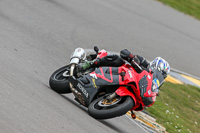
<point>58,82</point>
<point>98,111</point>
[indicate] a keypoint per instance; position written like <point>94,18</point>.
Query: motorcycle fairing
<point>85,87</point>
<point>123,91</point>
<point>147,92</point>
<point>89,85</point>
<point>142,87</point>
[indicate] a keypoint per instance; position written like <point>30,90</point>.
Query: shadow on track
<point>75,103</point>
<point>111,126</point>
<point>104,122</point>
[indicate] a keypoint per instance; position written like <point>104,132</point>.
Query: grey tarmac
<point>38,36</point>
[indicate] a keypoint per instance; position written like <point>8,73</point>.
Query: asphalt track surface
<point>38,36</point>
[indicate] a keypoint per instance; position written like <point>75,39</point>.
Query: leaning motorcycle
<point>107,91</point>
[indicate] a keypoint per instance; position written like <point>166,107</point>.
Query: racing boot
<point>87,65</point>
<point>84,66</point>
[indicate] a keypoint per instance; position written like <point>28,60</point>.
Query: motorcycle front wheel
<point>58,81</point>
<point>103,109</point>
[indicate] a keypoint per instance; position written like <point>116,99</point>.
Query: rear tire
<point>118,109</point>
<point>58,82</point>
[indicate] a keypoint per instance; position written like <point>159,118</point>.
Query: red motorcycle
<point>107,91</point>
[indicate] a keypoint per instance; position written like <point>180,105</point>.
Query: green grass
<point>177,108</point>
<point>190,7</point>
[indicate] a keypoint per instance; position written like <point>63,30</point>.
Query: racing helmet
<point>161,65</point>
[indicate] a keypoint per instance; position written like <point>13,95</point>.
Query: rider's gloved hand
<point>126,55</point>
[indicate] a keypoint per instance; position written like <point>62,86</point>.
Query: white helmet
<point>161,65</point>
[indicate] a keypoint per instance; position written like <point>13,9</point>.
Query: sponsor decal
<point>94,83</point>
<point>82,89</point>
<point>129,72</point>
<point>149,76</point>
<point>156,83</point>
<point>93,75</point>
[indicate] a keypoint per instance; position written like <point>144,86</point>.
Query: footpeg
<point>133,115</point>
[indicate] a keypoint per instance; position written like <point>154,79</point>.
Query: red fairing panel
<point>122,91</point>
<point>132,76</point>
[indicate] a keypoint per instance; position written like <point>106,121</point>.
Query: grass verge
<point>190,7</point>
<point>178,108</point>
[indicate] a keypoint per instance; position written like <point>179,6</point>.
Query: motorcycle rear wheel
<point>97,111</point>
<point>58,82</point>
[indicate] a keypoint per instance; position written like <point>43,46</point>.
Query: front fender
<point>123,91</point>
